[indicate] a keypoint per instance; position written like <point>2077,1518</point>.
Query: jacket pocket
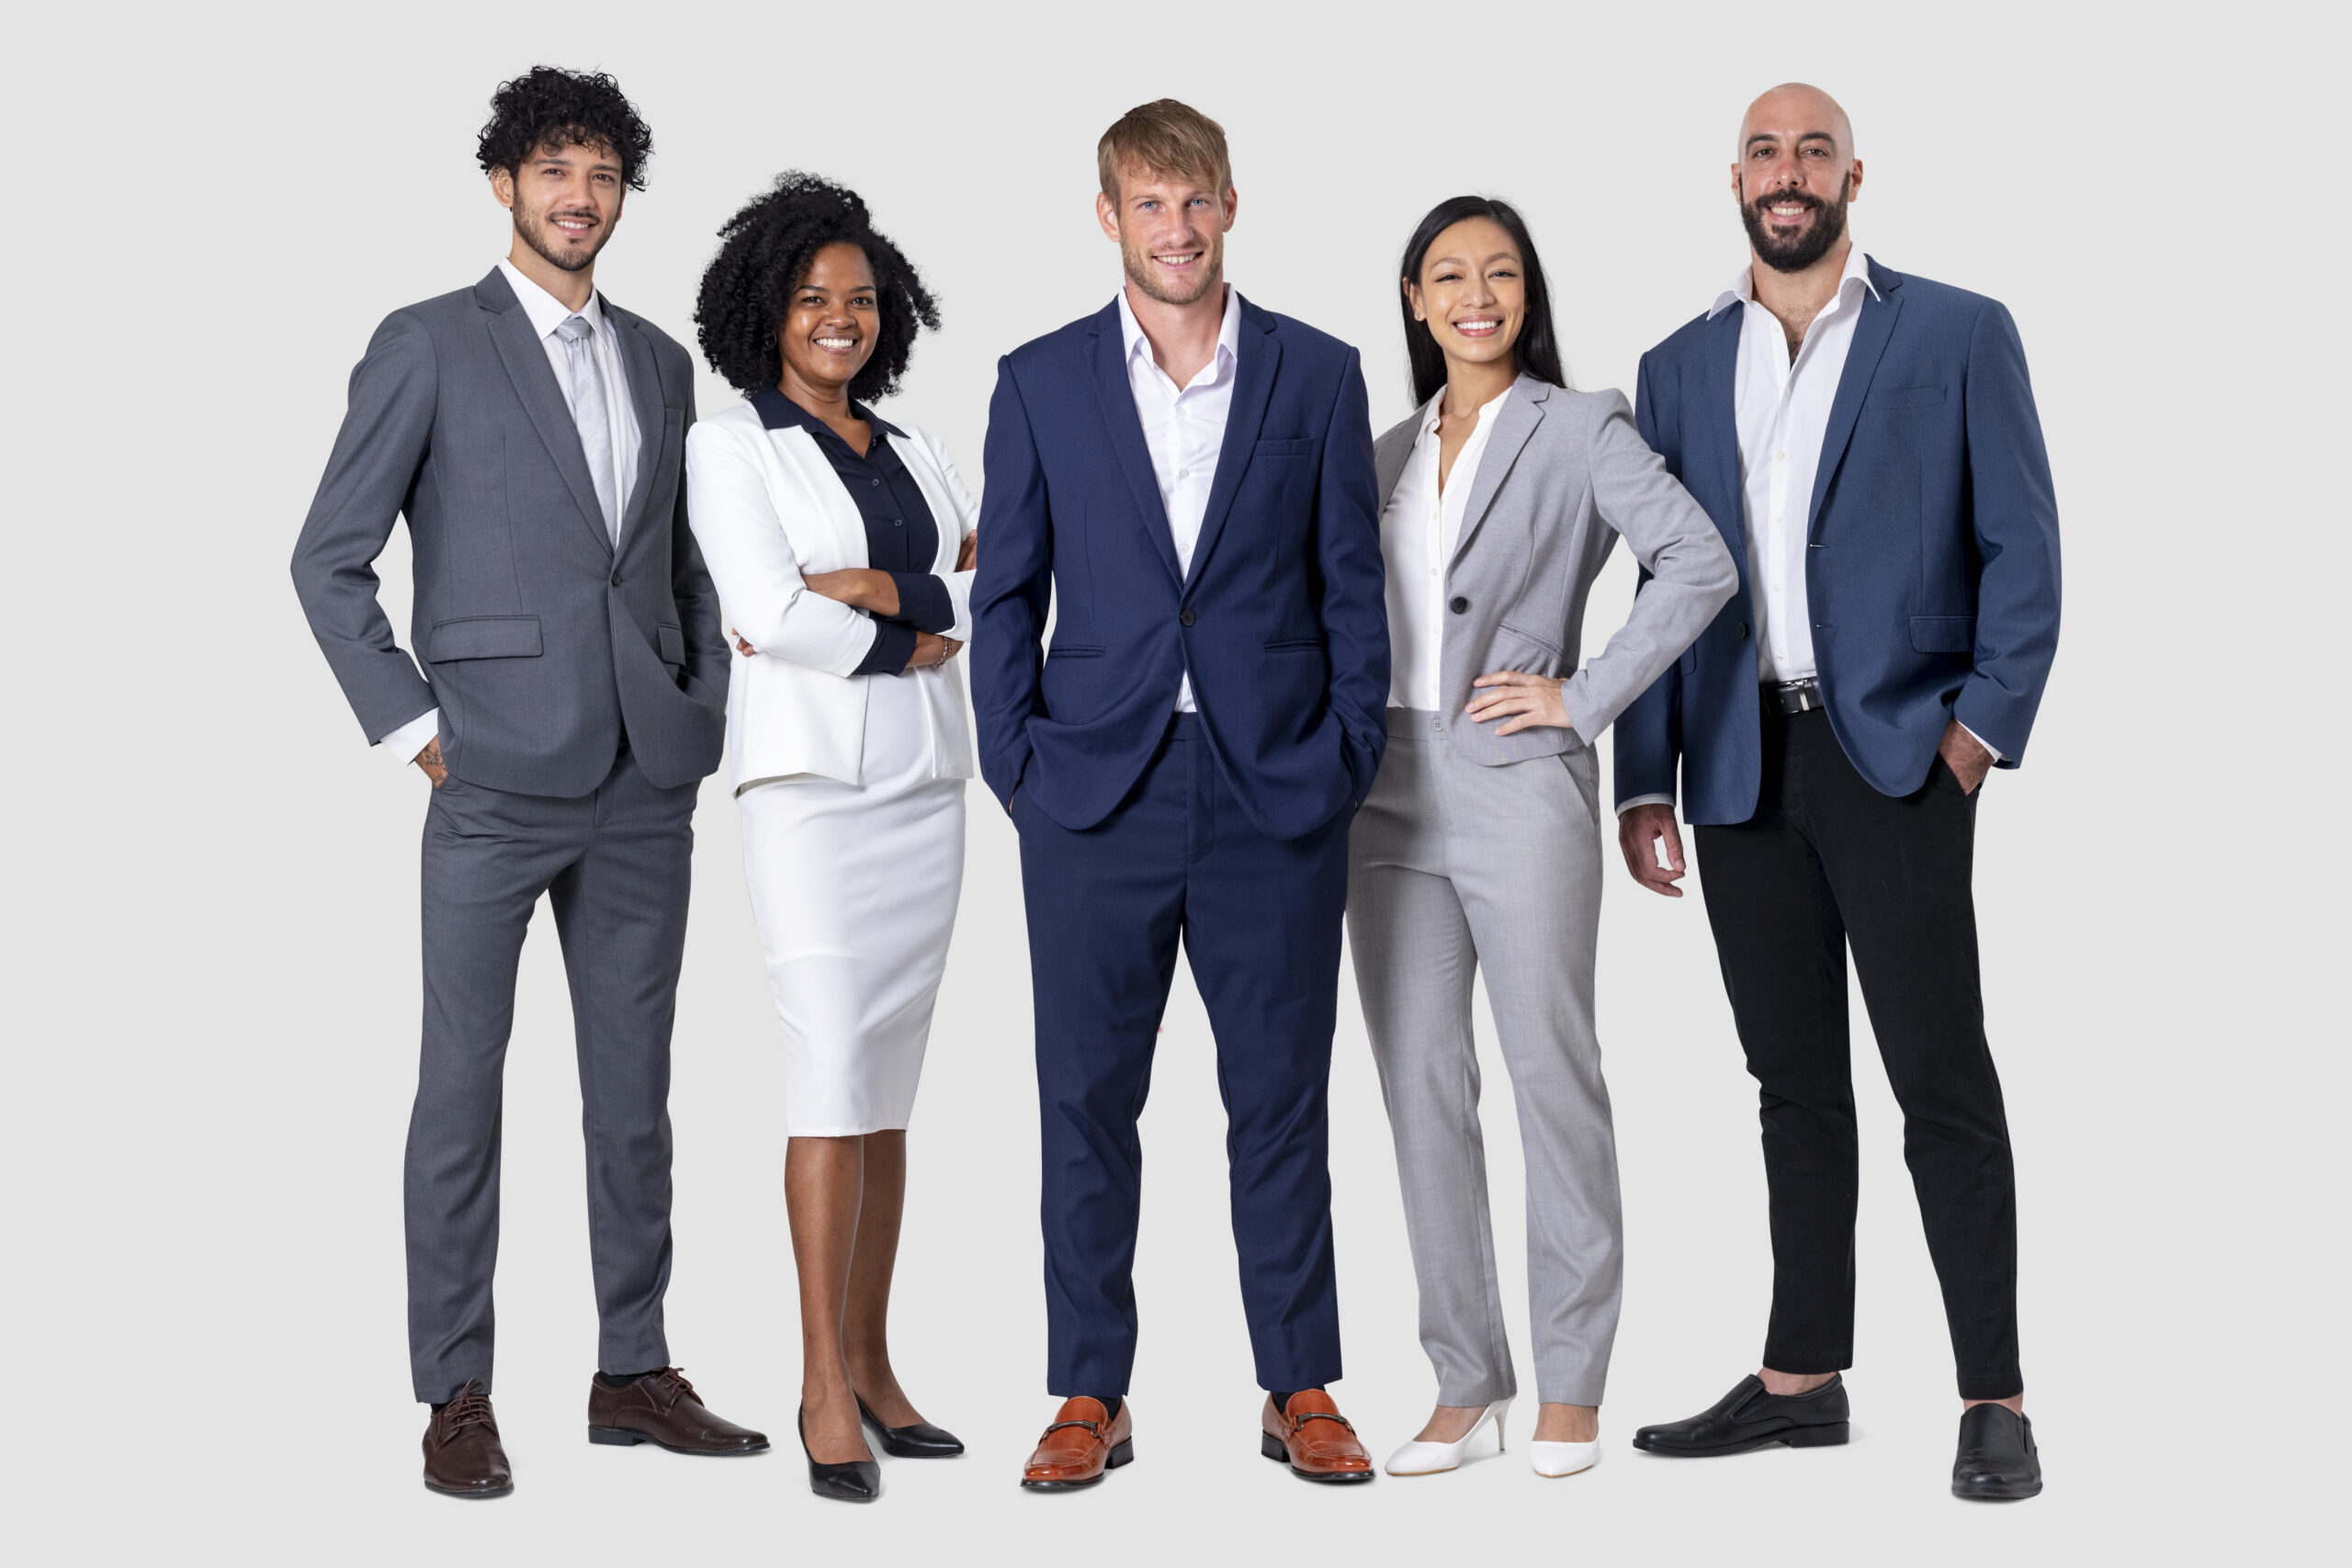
<point>1072,651</point>
<point>1522,651</point>
<point>1301,447</point>
<point>673,642</point>
<point>1906,397</point>
<point>1295,644</point>
<point>1943,634</point>
<point>485,636</point>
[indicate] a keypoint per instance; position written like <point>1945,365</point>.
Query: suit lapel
<point>534,377</point>
<point>1715,424</point>
<point>1871,329</point>
<point>645,397</point>
<point>1117,400</point>
<point>1515,424</point>
<point>1254,384</point>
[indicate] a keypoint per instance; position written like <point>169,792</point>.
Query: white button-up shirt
<point>1184,429</point>
<point>1783,416</point>
<point>546,314</point>
<point>1419,530</point>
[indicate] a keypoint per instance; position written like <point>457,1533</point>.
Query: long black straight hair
<point>1538,349</point>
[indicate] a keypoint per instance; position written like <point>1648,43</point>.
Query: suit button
<point>1743,629</point>
<point>1186,618</point>
<point>617,577</point>
<point>1459,605</point>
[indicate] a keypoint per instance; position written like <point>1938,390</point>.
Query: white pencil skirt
<point>854,887</point>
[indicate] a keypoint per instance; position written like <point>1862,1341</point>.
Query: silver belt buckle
<point>1798,697</point>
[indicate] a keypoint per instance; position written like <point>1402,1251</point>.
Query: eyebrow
<point>1802,136</point>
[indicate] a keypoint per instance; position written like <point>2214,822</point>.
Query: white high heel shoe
<point>1417,1457</point>
<point>1556,1459</point>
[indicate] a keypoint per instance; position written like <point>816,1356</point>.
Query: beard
<point>1143,275</point>
<point>537,231</point>
<point>1794,253</point>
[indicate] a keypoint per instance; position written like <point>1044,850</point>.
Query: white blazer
<point>766,507</point>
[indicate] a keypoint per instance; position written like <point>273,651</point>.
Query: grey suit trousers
<point>615,865</point>
<point>1452,863</point>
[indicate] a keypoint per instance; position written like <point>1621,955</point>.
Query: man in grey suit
<point>573,699</point>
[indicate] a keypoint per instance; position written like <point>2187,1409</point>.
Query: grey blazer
<point>541,645</point>
<point>1564,474</point>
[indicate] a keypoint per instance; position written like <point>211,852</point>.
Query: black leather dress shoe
<point>859,1481</point>
<point>1749,1417</point>
<point>1998,1462</point>
<point>919,1441</point>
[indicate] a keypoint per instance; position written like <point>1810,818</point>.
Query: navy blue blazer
<point>1931,569</point>
<point>1280,624</point>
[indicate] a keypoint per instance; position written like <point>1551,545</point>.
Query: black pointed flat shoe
<point>918,1440</point>
<point>1998,1461</point>
<point>1749,1417</point>
<point>860,1481</point>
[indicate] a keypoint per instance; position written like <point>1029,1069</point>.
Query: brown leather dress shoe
<point>463,1457</point>
<point>1085,1443</point>
<point>661,1407</point>
<point>1317,1442</point>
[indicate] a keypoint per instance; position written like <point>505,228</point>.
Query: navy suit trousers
<point>1260,921</point>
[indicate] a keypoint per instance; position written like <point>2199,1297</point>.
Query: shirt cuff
<point>405,742</point>
<point>924,601</point>
<point>1625,805</point>
<point>894,644</point>
<point>1981,741</point>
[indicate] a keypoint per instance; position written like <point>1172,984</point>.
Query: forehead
<point>1137,181</point>
<point>557,148</point>
<point>1473,237</point>
<point>1791,118</point>
<point>838,266</point>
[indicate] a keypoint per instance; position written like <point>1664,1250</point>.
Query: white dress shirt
<point>1419,530</point>
<point>546,314</point>
<point>1184,429</point>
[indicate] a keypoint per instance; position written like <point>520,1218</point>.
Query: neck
<point>829,403</point>
<point>1180,335</point>
<point>1800,295</point>
<point>1470,386</point>
<point>571,289</point>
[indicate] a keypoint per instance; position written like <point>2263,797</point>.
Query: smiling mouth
<point>574,225</point>
<point>1788,212</point>
<point>836,345</point>
<point>1477,326</point>
<point>1179,260</point>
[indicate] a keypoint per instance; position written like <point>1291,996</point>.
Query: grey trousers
<point>1452,863</point>
<point>615,866</point>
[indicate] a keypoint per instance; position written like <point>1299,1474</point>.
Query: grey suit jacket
<point>1565,473</point>
<point>541,644</point>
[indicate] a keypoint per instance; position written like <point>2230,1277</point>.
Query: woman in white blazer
<point>841,546</point>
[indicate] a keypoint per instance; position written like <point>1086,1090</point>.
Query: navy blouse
<point>901,536</point>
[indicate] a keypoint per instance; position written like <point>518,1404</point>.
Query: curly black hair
<point>765,249</point>
<point>549,105</point>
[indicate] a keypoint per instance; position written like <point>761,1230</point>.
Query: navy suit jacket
<point>1280,624</point>
<point>1931,570</point>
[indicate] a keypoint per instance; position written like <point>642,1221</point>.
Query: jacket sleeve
<point>1649,731</point>
<point>958,584</point>
<point>1687,573</point>
<point>751,558</point>
<point>387,430</point>
<point>697,598</point>
<point>2014,514</point>
<point>1355,606</point>
<point>1012,590</point>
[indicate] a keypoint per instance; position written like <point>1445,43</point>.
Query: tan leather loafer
<point>661,1407</point>
<point>463,1457</point>
<point>1085,1443</point>
<point>1311,1435</point>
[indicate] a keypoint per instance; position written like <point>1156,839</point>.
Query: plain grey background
<point>213,991</point>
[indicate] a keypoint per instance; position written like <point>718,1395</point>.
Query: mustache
<point>1786,198</point>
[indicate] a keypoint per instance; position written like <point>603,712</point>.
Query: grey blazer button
<point>617,577</point>
<point>1460,605</point>
<point>1184,617</point>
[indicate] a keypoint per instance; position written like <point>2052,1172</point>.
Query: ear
<point>1856,188</point>
<point>1413,298</point>
<point>1106,212</point>
<point>501,185</point>
<point>1232,207</point>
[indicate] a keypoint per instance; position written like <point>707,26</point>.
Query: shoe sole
<point>1564,1475</point>
<point>1123,1454</point>
<point>1275,1449</point>
<point>2006,1495</point>
<point>1826,1436</point>
<point>620,1438</point>
<point>467,1491</point>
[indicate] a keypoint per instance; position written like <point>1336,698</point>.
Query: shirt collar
<point>777,412</point>
<point>1228,331</point>
<point>1743,284</point>
<point>547,312</point>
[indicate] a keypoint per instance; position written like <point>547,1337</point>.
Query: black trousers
<point>1827,864</point>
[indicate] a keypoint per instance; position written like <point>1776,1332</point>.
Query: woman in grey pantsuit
<point>1481,840</point>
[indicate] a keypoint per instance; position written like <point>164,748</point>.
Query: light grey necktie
<point>594,419</point>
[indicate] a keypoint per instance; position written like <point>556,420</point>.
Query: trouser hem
<point>1807,1363</point>
<point>2008,1385</point>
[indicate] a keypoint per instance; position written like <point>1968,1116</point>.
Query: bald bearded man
<point>1866,443</point>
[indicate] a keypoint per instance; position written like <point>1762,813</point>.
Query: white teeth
<point>836,343</point>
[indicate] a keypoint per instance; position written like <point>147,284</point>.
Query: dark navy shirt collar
<point>777,412</point>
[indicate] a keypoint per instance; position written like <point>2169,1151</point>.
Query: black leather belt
<point>1793,696</point>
